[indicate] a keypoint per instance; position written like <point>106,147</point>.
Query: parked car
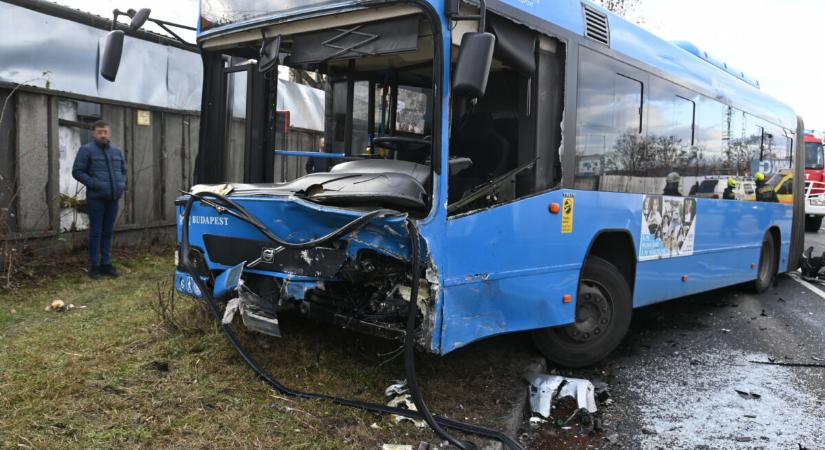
<point>714,187</point>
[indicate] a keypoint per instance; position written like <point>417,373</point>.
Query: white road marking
<point>808,285</point>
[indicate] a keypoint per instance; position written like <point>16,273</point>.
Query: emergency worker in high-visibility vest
<point>764,191</point>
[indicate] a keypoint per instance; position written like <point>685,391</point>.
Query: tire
<point>604,296</point>
<point>768,265</point>
<point>813,223</point>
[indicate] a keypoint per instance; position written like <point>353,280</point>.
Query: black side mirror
<point>270,51</point>
<point>472,70</point>
<point>138,18</point>
<point>112,51</point>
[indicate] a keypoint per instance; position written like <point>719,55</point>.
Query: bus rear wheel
<point>603,311</point>
<point>767,265</point>
<point>813,223</point>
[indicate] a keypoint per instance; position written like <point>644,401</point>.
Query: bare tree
<point>624,8</point>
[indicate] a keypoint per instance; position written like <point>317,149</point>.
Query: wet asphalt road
<point>674,379</point>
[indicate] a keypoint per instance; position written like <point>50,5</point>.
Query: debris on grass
<point>58,305</point>
<point>401,399</point>
<point>404,401</point>
<point>399,388</point>
<point>396,447</point>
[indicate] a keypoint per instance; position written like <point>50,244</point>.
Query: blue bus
<point>493,167</point>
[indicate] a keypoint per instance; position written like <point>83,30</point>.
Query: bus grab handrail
<point>310,154</point>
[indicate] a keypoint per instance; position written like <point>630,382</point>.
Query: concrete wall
<point>160,156</point>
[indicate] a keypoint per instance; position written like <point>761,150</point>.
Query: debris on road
<point>787,364</point>
<point>748,395</point>
<point>544,388</point>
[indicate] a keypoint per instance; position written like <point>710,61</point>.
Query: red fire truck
<point>814,182</point>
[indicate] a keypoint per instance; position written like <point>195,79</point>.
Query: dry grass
<point>118,375</point>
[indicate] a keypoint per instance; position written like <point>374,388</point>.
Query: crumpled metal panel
<point>50,52</point>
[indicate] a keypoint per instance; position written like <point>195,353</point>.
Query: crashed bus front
<point>347,94</point>
<point>360,280</point>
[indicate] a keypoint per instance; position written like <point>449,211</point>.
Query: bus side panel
<point>509,268</point>
<point>726,251</point>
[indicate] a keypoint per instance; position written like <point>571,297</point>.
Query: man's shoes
<point>94,272</point>
<point>109,271</point>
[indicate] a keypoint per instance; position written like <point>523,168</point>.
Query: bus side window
<point>499,133</point>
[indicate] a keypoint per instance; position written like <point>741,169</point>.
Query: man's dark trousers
<point>102,216</point>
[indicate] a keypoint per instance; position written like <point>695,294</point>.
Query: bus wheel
<point>813,223</point>
<point>767,265</point>
<point>603,310</point>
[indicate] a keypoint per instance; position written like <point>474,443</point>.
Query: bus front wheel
<point>603,311</point>
<point>767,265</point>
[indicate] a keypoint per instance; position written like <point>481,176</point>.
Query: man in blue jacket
<point>101,167</point>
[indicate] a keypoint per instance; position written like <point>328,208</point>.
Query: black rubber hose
<point>409,347</point>
<point>344,230</point>
<point>282,389</point>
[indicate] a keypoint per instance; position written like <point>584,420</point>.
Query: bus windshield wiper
<point>489,187</point>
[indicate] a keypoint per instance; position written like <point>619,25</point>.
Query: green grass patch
<point>115,375</point>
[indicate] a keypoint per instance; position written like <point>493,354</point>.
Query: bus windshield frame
<point>217,16</point>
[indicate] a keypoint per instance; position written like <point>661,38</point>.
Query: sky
<point>778,42</point>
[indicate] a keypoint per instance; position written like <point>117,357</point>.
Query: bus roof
<point>666,57</point>
<point>637,44</point>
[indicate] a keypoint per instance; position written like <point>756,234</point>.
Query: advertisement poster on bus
<point>668,227</point>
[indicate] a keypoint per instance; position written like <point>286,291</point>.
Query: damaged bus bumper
<point>359,282</point>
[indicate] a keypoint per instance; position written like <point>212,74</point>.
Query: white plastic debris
<point>230,310</point>
<point>536,421</point>
<point>401,399</point>
<point>545,388</point>
<point>396,447</point>
<point>399,388</point>
<point>404,401</point>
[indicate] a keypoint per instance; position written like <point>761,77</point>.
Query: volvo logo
<point>268,254</point>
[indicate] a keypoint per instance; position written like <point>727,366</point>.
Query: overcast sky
<point>779,42</point>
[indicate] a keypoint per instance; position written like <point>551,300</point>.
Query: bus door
<point>502,168</point>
